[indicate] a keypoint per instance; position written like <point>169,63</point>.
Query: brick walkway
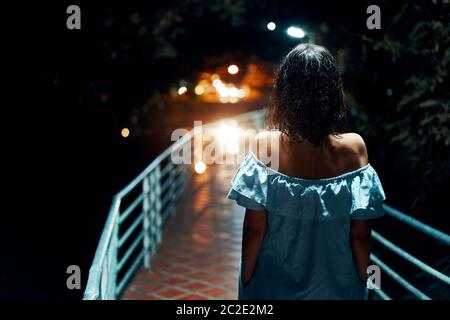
<point>199,254</point>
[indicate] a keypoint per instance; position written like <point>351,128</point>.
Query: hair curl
<point>308,100</point>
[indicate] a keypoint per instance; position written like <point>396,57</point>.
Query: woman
<point>306,231</point>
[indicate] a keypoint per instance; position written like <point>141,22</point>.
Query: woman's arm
<point>253,234</point>
<point>360,242</point>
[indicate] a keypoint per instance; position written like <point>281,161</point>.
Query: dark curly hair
<point>308,102</point>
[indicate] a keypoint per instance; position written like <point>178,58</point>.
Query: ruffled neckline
<point>305,180</point>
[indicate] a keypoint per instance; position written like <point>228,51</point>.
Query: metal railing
<point>419,226</point>
<point>133,226</point>
<point>123,246</point>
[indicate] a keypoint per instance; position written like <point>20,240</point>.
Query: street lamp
<point>295,32</point>
<point>271,26</point>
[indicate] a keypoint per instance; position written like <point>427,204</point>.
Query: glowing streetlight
<point>271,26</point>
<point>199,90</point>
<point>233,69</point>
<point>182,90</point>
<point>295,32</point>
<point>233,92</point>
<point>125,132</point>
<point>200,167</point>
<point>217,83</point>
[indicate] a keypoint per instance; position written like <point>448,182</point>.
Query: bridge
<point>172,234</point>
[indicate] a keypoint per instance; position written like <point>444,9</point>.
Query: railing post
<point>181,180</point>
<point>173,187</point>
<point>112,286</point>
<point>146,211</point>
<point>157,207</point>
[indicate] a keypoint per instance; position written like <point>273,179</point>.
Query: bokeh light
<point>199,90</point>
<point>125,132</point>
<point>295,32</point>
<point>182,90</point>
<point>271,26</point>
<point>233,69</point>
<point>200,167</point>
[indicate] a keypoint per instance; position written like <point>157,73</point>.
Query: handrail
<point>422,227</point>
<point>410,258</point>
<point>399,279</point>
<point>92,288</point>
<point>103,282</point>
<point>432,232</point>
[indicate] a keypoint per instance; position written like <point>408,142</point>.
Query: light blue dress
<point>306,252</point>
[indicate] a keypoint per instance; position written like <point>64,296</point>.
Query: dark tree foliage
<point>406,98</point>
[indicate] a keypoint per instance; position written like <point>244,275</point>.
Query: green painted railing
<point>418,226</point>
<point>133,230</point>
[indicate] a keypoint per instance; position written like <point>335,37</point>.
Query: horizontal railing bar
<point>399,279</point>
<point>130,208</point>
<point>410,258</point>
<point>129,252</point>
<point>166,184</point>
<point>180,182</point>
<point>416,224</point>
<point>166,199</point>
<point>381,294</point>
<point>179,168</point>
<point>167,210</point>
<point>153,165</point>
<point>177,194</point>
<point>129,273</point>
<point>166,169</point>
<point>130,230</point>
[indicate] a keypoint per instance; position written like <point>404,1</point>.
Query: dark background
<point>63,158</point>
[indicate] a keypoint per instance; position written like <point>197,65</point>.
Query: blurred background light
<point>295,32</point>
<point>229,134</point>
<point>271,26</point>
<point>200,167</point>
<point>233,69</point>
<point>199,90</point>
<point>182,90</point>
<point>217,83</point>
<point>125,132</point>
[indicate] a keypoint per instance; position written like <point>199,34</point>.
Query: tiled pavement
<point>199,254</point>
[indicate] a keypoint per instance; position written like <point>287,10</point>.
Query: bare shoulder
<point>352,148</point>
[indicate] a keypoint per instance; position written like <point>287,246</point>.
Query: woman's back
<point>340,153</point>
<point>306,252</point>
<point>305,234</point>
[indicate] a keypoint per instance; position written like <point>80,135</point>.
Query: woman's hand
<point>360,241</point>
<point>254,229</point>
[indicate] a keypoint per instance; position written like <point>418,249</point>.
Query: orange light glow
<point>233,69</point>
<point>200,167</point>
<point>199,90</point>
<point>182,90</point>
<point>125,132</point>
